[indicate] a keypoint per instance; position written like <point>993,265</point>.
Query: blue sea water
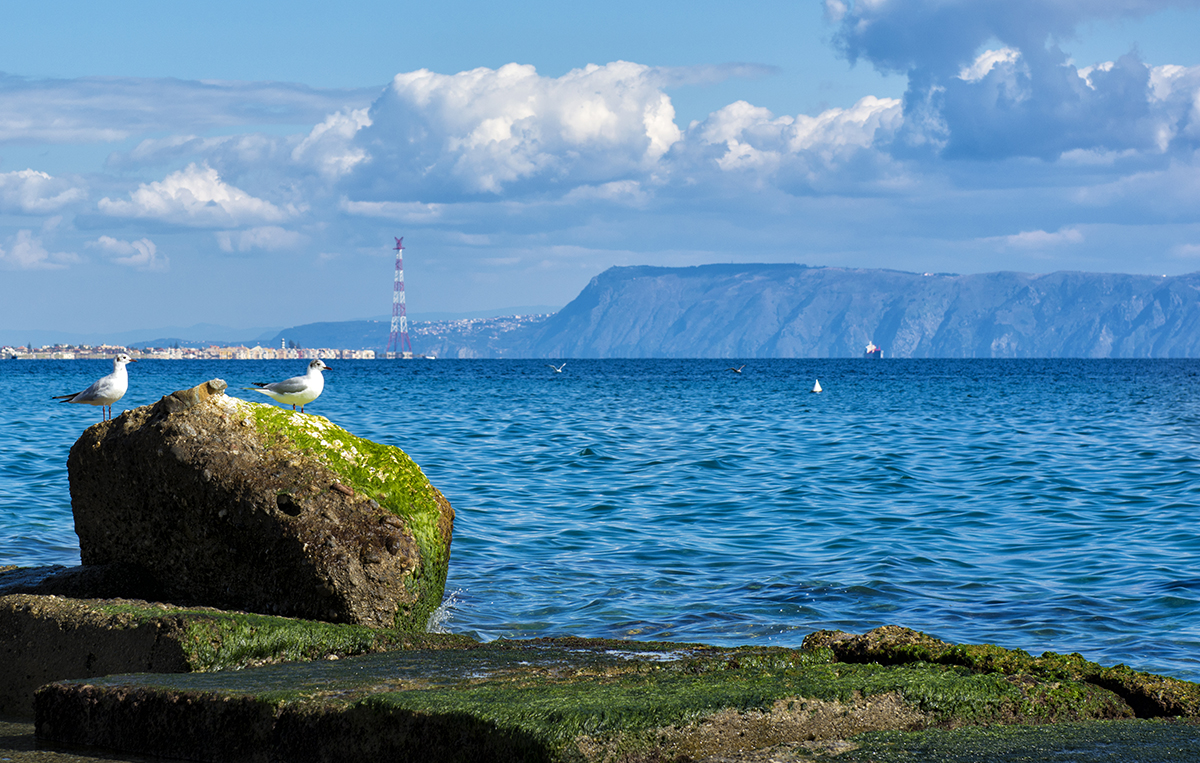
<point>1039,504</point>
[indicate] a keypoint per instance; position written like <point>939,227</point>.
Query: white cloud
<point>755,139</point>
<point>27,252</point>
<point>33,192</point>
<point>488,131</point>
<point>1040,239</point>
<point>986,61</point>
<point>195,196</point>
<point>404,211</point>
<point>106,109</point>
<point>269,237</point>
<point>139,255</point>
<point>329,147</point>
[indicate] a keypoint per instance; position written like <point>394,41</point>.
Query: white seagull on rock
<point>106,390</point>
<point>298,390</point>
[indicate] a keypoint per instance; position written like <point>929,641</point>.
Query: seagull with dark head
<point>106,390</point>
<point>298,390</point>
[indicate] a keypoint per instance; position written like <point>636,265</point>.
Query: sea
<point>1046,505</point>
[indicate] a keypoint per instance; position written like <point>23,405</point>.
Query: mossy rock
<point>221,502</point>
<point>45,638</point>
<point>1148,695</point>
<point>553,700</point>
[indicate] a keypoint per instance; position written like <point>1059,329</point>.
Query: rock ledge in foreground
<point>569,699</point>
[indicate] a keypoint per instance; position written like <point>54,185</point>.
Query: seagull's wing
<point>289,386</point>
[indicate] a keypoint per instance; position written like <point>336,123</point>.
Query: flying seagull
<point>557,370</point>
<point>737,370</point>
<point>106,390</point>
<point>298,390</point>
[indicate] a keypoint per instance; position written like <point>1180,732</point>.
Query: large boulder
<point>221,502</point>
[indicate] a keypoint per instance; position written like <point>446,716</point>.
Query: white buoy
<point>817,386</point>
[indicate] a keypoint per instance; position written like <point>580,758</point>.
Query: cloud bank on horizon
<point>515,187</point>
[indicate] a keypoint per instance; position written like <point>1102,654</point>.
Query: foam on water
<point>1035,504</point>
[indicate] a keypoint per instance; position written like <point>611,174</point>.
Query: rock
<point>1149,695</point>
<point>45,638</point>
<point>220,502</point>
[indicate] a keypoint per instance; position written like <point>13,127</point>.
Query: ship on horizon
<point>872,351</point>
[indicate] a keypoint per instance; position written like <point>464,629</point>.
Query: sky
<point>249,164</point>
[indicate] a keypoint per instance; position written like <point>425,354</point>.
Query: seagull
<point>106,390</point>
<point>737,370</point>
<point>298,390</point>
<point>557,370</point>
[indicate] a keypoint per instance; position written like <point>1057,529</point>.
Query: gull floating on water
<point>298,390</point>
<point>106,390</point>
<point>559,369</point>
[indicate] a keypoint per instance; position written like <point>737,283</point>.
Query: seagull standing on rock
<point>298,390</point>
<point>106,390</point>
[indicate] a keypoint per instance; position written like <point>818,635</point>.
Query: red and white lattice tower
<point>399,339</point>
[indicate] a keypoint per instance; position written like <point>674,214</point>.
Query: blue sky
<point>248,164</point>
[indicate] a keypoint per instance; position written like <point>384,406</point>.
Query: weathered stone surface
<point>45,638</point>
<point>48,638</point>
<point>225,503</point>
<point>1148,695</point>
<point>561,699</point>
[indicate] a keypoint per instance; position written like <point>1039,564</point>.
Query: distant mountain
<point>745,311</point>
<point>785,311</point>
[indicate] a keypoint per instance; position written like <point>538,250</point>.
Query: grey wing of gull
<point>289,386</point>
<point>92,392</point>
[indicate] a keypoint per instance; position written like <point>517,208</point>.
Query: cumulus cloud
<point>139,255</point>
<point>33,192</point>
<point>195,196</point>
<point>494,131</point>
<point>1023,98</point>
<point>796,153</point>
<point>329,146</point>
<point>27,252</point>
<point>267,237</point>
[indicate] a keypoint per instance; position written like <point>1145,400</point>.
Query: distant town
<point>212,352</point>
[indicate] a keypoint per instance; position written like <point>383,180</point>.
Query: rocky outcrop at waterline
<point>446,698</point>
<point>209,500</point>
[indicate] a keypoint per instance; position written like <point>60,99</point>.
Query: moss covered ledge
<point>565,700</point>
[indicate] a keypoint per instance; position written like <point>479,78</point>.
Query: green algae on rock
<point>1147,695</point>
<point>50,638</point>
<point>239,505</point>
<point>556,700</point>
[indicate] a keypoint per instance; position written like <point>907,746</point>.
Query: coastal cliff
<point>794,311</point>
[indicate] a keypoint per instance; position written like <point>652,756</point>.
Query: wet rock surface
<point>569,699</point>
<point>1146,694</point>
<point>206,499</point>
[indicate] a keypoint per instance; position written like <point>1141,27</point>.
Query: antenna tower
<point>399,339</point>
